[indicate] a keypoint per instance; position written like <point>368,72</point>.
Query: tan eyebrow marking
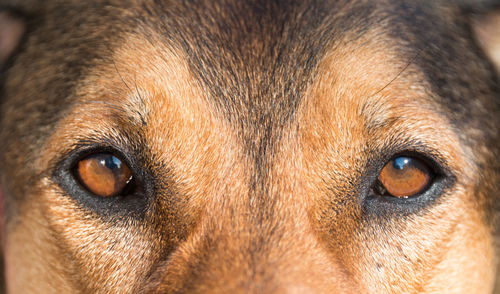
<point>375,111</point>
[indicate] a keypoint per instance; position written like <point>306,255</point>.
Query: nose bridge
<point>260,240</point>
<point>256,238</point>
<point>235,256</point>
<point>249,244</point>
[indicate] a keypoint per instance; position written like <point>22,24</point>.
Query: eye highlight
<point>103,174</point>
<point>404,177</point>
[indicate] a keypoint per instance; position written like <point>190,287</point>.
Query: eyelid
<point>87,146</point>
<point>435,159</point>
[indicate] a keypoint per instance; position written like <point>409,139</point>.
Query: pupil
<point>400,162</point>
<point>111,162</point>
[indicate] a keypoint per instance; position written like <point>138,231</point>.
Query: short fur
<point>255,130</point>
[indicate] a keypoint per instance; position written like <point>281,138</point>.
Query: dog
<point>249,146</point>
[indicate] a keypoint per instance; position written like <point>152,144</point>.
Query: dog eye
<point>404,177</point>
<point>103,174</point>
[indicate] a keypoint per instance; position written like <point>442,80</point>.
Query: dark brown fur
<point>256,130</point>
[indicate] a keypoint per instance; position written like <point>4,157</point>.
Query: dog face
<point>249,147</point>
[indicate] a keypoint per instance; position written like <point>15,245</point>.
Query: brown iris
<point>405,176</point>
<point>103,174</point>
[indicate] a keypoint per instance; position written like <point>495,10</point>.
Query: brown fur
<point>258,128</point>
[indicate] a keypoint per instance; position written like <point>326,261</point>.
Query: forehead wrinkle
<point>256,57</point>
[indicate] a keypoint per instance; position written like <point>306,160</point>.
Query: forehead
<point>261,55</point>
<point>255,64</point>
<point>253,54</point>
<point>249,56</point>
<point>256,59</point>
<point>257,70</point>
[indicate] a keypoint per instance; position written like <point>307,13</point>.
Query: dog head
<point>249,146</point>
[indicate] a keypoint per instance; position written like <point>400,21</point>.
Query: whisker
<point>399,74</point>
<point>116,69</point>
<point>105,103</point>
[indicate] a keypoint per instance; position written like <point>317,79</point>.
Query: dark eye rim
<point>132,203</point>
<point>443,180</point>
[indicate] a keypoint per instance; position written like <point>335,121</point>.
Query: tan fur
<point>333,137</point>
<point>206,233</point>
<point>324,155</point>
<point>180,108</point>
